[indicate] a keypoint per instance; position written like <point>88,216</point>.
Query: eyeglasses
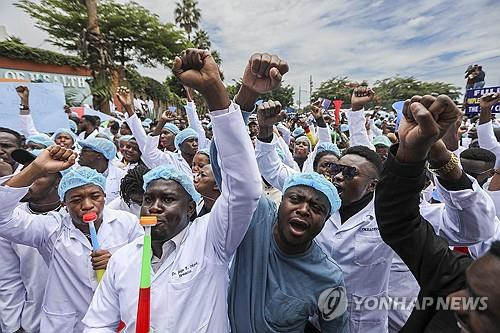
<point>349,172</point>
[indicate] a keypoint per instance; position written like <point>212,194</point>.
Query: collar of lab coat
<point>107,218</point>
<point>356,219</point>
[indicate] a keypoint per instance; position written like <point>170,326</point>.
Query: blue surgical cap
<point>42,139</point>
<point>344,128</point>
<point>382,140</point>
<point>205,152</point>
<point>81,176</point>
<point>73,126</point>
<point>183,135</point>
<point>317,182</point>
<point>328,146</point>
<point>172,128</point>
<point>67,131</point>
<point>299,131</point>
<point>281,154</point>
<point>305,139</point>
<point>167,172</point>
<point>100,145</point>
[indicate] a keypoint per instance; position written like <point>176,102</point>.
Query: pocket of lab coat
<point>369,313</point>
<point>370,250</point>
<point>285,313</point>
<point>58,322</point>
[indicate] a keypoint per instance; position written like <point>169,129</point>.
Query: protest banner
<point>472,99</point>
<point>46,106</point>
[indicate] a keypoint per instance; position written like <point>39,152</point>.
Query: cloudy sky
<point>429,39</point>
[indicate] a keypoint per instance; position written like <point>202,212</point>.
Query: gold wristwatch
<point>448,167</point>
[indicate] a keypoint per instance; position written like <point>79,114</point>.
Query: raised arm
<point>27,125</point>
<point>131,118</point>
<point>487,139</point>
<point>358,136</point>
<point>194,120</point>
<point>241,186</point>
<point>17,225</point>
<point>438,270</point>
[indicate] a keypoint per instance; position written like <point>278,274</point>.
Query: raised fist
<point>264,72</point>
<point>270,113</point>
<point>361,96</point>
<point>55,159</point>
<point>196,69</point>
<point>24,94</point>
<point>316,109</point>
<point>425,121</point>
<point>488,100</point>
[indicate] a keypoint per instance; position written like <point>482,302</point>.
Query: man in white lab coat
<point>190,260</point>
<point>97,154</point>
<point>62,238</point>
<point>23,273</point>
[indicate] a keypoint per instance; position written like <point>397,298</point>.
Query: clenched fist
<point>264,72</point>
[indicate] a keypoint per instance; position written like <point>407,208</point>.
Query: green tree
<point>284,94</point>
<point>201,40</point>
<point>187,16</point>
<point>133,33</point>
<point>397,88</point>
<point>333,89</point>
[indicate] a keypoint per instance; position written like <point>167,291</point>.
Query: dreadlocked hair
<point>133,182</point>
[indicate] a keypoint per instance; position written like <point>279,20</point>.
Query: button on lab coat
<point>71,280</point>
<point>189,290</point>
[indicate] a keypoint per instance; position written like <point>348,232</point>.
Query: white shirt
<point>81,136</point>
<point>153,157</point>
<point>65,249</point>
<point>23,275</point>
<point>118,204</point>
<point>189,290</point>
<point>195,124</point>
<point>114,177</point>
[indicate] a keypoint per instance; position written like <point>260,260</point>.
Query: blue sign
<point>473,96</point>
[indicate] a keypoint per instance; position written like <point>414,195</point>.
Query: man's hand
<point>100,259</point>
<point>361,96</point>
<point>168,116</point>
<point>54,159</point>
<point>425,120</point>
<point>317,110</point>
<point>198,70</point>
<point>486,102</point>
<point>24,94</point>
<point>264,72</point>
<point>268,114</point>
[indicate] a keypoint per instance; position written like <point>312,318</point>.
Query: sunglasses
<point>349,172</point>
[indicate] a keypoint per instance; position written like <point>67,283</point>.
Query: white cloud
<point>433,40</point>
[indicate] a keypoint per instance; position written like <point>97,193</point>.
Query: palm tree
<point>187,15</point>
<point>201,40</point>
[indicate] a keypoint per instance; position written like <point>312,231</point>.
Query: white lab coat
<point>195,124</point>
<point>189,290</point>
<point>356,245</point>
<point>23,275</point>
<point>154,157</point>
<point>137,130</point>
<point>114,177</point>
<point>65,249</point>
<point>81,136</point>
<point>118,204</point>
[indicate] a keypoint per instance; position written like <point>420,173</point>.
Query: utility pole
<point>310,89</point>
<point>300,90</point>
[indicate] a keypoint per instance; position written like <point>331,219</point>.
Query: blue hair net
<point>205,152</point>
<point>81,176</point>
<point>317,182</point>
<point>42,139</point>
<point>344,128</point>
<point>167,172</point>
<point>172,128</point>
<point>73,126</point>
<point>328,146</point>
<point>100,145</point>
<point>281,154</point>
<point>305,139</point>
<point>183,135</point>
<point>381,140</point>
<point>67,131</point>
<point>299,131</point>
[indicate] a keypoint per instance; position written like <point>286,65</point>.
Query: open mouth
<point>298,227</point>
